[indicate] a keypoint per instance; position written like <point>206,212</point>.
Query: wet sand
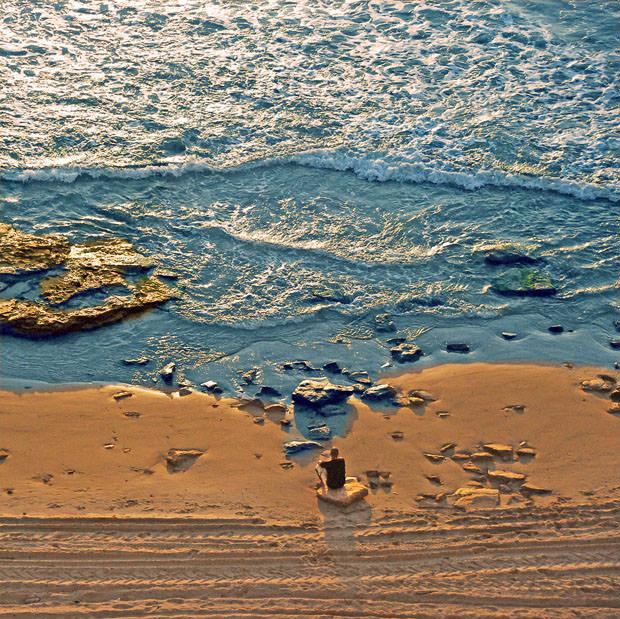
<point>95,522</point>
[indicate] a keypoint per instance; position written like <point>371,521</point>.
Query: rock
<point>303,366</point>
<point>508,335</point>
<point>384,323</point>
<point>320,393</point>
<point>529,488</point>
<point>352,492</point>
<point>332,367</point>
<point>276,409</point>
<point>248,377</point>
<point>514,408</point>
<point>526,452</point>
<point>22,253</point>
<point>461,455</point>
<point>508,254</point>
<point>319,432</point>
<point>472,468</point>
<point>167,372</point>
<point>469,496</point>
<point>556,329</point>
<point>268,392</point>
<point>412,401</point>
<point>212,386</point>
<point>617,325</point>
<point>397,435</point>
<point>443,414</point>
<point>433,479</point>
<point>599,385</point>
<point>447,447</point>
<point>4,454</point>
<point>34,319</point>
<point>524,282</point>
<point>138,361</point>
<point>614,410</point>
<point>179,460</point>
<point>615,344</point>
<point>132,414</point>
<point>183,391</point>
<point>379,392</point>
<point>499,449</point>
<point>293,447</point>
<point>614,396</point>
<point>435,458</point>
<point>458,347</point>
<point>506,476</point>
<point>122,395</point>
<point>406,353</point>
<point>423,395</point>
<point>482,456</point>
<point>361,377</point>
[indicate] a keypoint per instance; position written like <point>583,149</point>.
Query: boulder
<point>469,496</point>
<point>352,492</point>
<point>524,282</point>
<point>320,393</point>
<point>179,460</point>
<point>405,352</point>
<point>379,392</point>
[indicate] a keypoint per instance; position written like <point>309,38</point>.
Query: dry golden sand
<point>94,525</point>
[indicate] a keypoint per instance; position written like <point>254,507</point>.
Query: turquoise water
<point>368,150</point>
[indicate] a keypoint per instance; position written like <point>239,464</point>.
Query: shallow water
<point>304,167</point>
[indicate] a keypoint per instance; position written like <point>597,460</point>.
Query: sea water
<point>302,167</point>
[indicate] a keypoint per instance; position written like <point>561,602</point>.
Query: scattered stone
<point>406,353</point>
<point>121,395</point>
<point>212,386</point>
<point>598,384</point>
<point>459,347</point>
<point>384,323</point>
<point>379,392</point>
<point>138,361</point>
<point>109,446</point>
<point>268,392</point>
<point>293,447</point>
<point>447,447</point>
<point>180,460</point>
<point>167,372</point>
<point>132,414</point>
<point>332,367</point>
<point>482,456</point>
<point>615,344</point>
<point>499,449</point>
<point>435,458</point>
<point>506,476</point>
<point>508,254</point>
<point>397,435</point>
<point>524,282</point>
<point>320,432</point>
<point>556,329</point>
<point>361,377</point>
<point>320,393</point>
<point>352,492</point>
<point>434,479</point>
<point>529,488</point>
<point>423,395</point>
<point>508,335</point>
<point>461,455</point>
<point>469,496</point>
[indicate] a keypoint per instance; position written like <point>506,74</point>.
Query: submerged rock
<point>524,282</point>
<point>405,352</point>
<point>319,393</point>
<point>34,319</point>
<point>508,253</point>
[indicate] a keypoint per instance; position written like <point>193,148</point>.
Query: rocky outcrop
<point>34,319</point>
<point>320,393</point>
<point>27,253</point>
<point>524,282</point>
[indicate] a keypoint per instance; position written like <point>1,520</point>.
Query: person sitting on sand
<point>332,472</point>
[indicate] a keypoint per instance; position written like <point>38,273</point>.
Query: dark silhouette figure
<point>332,472</point>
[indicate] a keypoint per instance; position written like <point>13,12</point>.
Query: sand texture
<point>497,497</point>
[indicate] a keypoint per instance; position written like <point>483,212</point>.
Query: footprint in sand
<point>179,460</point>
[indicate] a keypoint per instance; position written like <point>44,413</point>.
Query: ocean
<point>315,180</point>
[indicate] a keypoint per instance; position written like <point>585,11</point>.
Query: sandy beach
<point>98,518</point>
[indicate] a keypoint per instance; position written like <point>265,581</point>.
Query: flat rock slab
<point>352,492</point>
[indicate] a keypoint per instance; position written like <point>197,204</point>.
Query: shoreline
<point>76,452</point>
